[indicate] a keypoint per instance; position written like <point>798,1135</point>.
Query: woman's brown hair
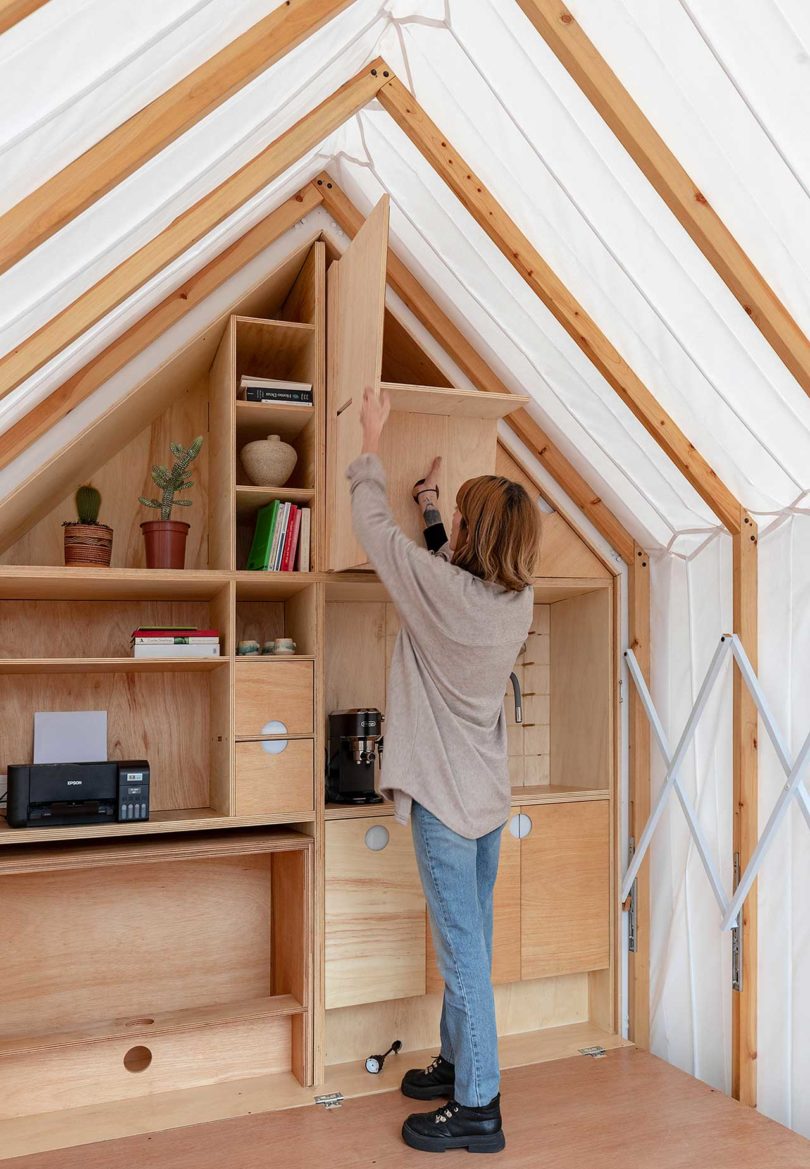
<point>500,531</point>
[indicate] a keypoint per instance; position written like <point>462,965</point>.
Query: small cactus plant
<point>88,504</point>
<point>174,480</point>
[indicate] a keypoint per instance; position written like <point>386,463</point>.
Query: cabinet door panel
<point>273,691</point>
<point>565,883</point>
<point>354,361</point>
<point>506,921</point>
<point>271,784</point>
<point>375,915</point>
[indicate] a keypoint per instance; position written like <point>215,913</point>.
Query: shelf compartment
<point>274,349</point>
<point>258,419</point>
<point>250,499</point>
<point>175,716</point>
<point>210,940</point>
<point>273,607</point>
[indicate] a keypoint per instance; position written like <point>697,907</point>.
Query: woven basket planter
<point>88,545</point>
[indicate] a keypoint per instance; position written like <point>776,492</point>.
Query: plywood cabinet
<point>425,421</point>
<point>270,692</point>
<point>375,914</point>
<point>564,889</point>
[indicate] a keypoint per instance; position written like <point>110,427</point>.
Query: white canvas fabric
<point>725,84</point>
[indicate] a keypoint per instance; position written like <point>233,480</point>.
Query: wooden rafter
<point>746,827</point>
<point>544,282</point>
<point>189,227</point>
<point>83,383</point>
<point>567,40</point>
<point>13,11</point>
<point>456,345</point>
<point>145,134</point>
<point>639,753</point>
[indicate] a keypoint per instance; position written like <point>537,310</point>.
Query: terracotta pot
<point>88,545</point>
<point>269,462</point>
<point>165,542</point>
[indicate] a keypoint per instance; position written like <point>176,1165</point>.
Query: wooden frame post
<point>544,282</point>
<point>13,11</point>
<point>569,43</point>
<point>639,737</point>
<point>746,827</point>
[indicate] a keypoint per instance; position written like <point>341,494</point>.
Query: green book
<point>263,536</point>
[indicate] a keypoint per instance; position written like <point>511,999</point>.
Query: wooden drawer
<point>565,889</point>
<point>273,691</point>
<point>268,784</point>
<point>375,915</point>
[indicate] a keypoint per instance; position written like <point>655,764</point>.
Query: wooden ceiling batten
<point>190,227</point>
<point>88,379</point>
<point>569,43</point>
<point>85,180</point>
<point>470,362</point>
<point>527,261</point>
<point>13,11</point>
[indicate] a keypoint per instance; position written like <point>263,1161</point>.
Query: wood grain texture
<point>187,229</point>
<point>565,883</point>
<point>273,691</point>
<point>354,363</point>
<point>465,355</point>
<point>274,349</point>
<point>568,41</point>
<point>583,330</point>
<point>640,796</point>
<point>745,592</point>
<point>154,127</point>
<point>581,689</point>
<point>375,916</point>
<point>355,632</point>
<point>221,422</point>
<point>151,326</point>
<point>13,11</point>
<point>268,784</point>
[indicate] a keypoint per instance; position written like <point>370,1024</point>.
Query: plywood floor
<point>627,1109</point>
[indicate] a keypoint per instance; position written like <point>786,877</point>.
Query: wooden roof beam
<point>504,233</point>
<point>80,184</point>
<point>569,43</point>
<point>466,357</point>
<point>188,228</point>
<point>13,11</point>
<point>124,348</point>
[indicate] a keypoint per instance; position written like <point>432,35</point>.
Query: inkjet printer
<point>42,795</point>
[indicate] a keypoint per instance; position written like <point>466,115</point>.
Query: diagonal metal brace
<point>671,782</point>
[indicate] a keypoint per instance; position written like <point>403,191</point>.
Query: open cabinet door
<point>356,311</point>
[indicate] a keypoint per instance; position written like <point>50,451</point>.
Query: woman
<point>465,612</point>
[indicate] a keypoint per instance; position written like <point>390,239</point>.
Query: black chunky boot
<point>436,1082</point>
<point>454,1126</point>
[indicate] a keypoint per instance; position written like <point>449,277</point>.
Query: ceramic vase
<point>269,462</point>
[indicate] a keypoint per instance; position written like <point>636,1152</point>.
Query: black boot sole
<point>436,1092</point>
<point>490,1143</point>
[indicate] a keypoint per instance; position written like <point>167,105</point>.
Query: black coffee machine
<point>355,740</point>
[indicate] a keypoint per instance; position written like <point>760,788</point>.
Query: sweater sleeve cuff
<point>366,467</point>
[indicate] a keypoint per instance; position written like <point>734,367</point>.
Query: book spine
<point>294,541</point>
<point>303,542</point>
<point>175,641</point>
<point>256,394</point>
<point>283,540</point>
<point>175,651</point>
<point>268,562</point>
<point>271,565</point>
<point>288,539</point>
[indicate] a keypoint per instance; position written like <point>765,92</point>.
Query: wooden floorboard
<point>626,1109</point>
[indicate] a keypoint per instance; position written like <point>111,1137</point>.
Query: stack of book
<point>268,389</point>
<point>281,539</point>
<point>174,641</point>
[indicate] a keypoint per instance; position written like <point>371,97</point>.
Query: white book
<point>180,640</point>
<point>302,559</point>
<point>271,383</point>
<point>176,651</point>
<point>278,537</point>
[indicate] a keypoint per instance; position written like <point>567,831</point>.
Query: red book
<point>174,631</point>
<point>289,543</point>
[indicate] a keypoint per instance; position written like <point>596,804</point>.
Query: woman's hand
<point>373,417</point>
<point>430,481</point>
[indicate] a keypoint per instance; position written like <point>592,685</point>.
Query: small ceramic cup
<point>285,645</point>
<point>245,648</point>
<point>269,647</point>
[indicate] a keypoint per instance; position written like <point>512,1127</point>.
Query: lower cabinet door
<point>274,776</point>
<point>506,919</point>
<point>565,889</point>
<point>375,913</point>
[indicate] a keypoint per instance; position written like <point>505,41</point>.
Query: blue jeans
<point>458,877</point>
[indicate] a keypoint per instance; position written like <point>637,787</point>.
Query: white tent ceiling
<point>725,82</point>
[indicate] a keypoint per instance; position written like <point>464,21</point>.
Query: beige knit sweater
<point>445,730</point>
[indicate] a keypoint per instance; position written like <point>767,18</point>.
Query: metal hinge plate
<point>333,1100</point>
<point>593,1052</point>
<point>736,937</point>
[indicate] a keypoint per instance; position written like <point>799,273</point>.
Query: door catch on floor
<point>333,1100</point>
<point>593,1052</point>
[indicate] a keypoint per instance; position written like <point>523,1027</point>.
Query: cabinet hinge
<point>736,937</point>
<point>632,919</point>
<point>332,1100</point>
<point>593,1052</point>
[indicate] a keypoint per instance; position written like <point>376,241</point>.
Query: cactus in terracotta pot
<point>166,538</point>
<point>87,542</point>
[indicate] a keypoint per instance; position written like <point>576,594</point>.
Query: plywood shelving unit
<point>302,950</point>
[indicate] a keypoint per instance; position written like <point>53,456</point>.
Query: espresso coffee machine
<point>355,741</point>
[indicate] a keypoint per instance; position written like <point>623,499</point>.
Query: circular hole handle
<point>520,825</point>
<point>274,746</point>
<point>377,837</point>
